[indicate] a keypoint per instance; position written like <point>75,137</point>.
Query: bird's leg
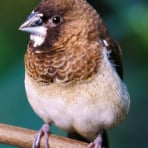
<point>43,131</point>
<point>97,143</point>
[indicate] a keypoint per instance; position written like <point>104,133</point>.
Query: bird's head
<point>58,22</point>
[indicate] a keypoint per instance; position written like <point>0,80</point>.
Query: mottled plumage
<point>62,66</point>
<point>73,67</point>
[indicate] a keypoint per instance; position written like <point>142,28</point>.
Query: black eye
<point>56,19</point>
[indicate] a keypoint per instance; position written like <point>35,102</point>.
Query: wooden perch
<point>22,137</point>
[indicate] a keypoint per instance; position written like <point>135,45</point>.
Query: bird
<point>73,71</point>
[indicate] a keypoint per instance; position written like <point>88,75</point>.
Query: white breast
<point>85,107</point>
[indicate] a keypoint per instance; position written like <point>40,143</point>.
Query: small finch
<point>73,71</point>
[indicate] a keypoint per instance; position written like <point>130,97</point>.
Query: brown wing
<point>115,56</point>
<point>113,48</point>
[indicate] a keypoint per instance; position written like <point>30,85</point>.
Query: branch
<point>22,137</point>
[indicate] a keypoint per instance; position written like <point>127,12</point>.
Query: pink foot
<point>97,143</point>
<point>43,131</point>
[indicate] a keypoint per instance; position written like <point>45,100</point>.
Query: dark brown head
<point>64,41</point>
<point>56,22</point>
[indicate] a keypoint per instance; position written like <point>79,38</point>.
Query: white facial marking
<point>38,36</point>
<point>38,40</point>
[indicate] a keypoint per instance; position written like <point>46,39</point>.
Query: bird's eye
<point>56,19</point>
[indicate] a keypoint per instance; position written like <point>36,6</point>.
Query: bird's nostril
<point>37,22</point>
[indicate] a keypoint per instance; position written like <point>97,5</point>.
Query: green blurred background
<point>128,24</point>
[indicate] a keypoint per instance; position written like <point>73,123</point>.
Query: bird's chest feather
<point>85,106</point>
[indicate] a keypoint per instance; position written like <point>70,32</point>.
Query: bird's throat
<point>37,40</point>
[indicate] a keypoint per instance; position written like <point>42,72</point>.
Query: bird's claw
<point>94,145</point>
<point>97,143</point>
<point>43,131</point>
